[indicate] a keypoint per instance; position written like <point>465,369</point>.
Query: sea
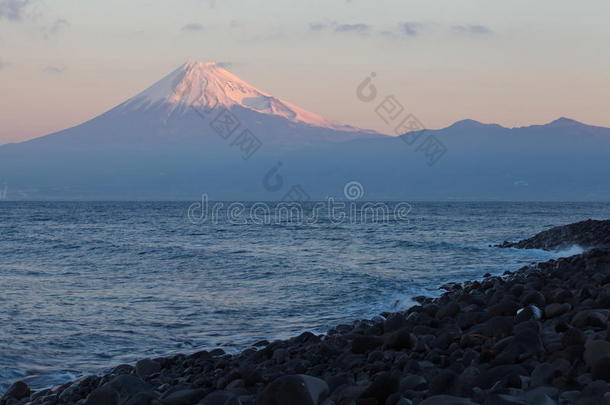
<point>85,286</point>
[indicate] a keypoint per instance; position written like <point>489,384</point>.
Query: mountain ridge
<point>167,143</point>
<point>561,122</point>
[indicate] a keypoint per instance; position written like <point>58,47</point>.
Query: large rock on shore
<point>586,234</point>
<point>16,392</point>
<point>294,390</point>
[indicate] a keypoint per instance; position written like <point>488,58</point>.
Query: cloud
<point>13,10</point>
<point>408,29</point>
<point>54,70</point>
<point>236,24</point>
<point>411,29</point>
<point>318,26</point>
<point>356,28</point>
<point>322,26</point>
<point>3,64</point>
<point>473,29</point>
<point>359,28</point>
<point>55,28</point>
<point>193,27</point>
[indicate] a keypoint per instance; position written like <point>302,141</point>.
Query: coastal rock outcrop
<point>586,234</point>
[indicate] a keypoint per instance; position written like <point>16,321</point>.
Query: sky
<point>514,63</point>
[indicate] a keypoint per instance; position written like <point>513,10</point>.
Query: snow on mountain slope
<point>208,84</point>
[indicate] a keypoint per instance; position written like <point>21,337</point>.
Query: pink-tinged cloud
<point>13,10</point>
<point>411,29</point>
<point>54,70</point>
<point>473,29</point>
<point>193,27</point>
<point>356,28</point>
<point>59,25</point>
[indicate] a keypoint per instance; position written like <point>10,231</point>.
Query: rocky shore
<point>538,335</point>
<point>587,234</point>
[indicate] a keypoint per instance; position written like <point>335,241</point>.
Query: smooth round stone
<point>503,399</point>
<point>595,350</point>
<point>601,368</point>
<point>144,398</point>
<point>446,400</point>
<point>18,390</point>
<point>533,297</point>
<point>128,385</point>
<point>184,397</point>
<point>413,382</point>
<point>528,313</point>
<point>592,318</point>
<point>556,309</point>
<point>365,344</point>
<point>294,390</point>
<point>214,398</point>
<point>401,339</point>
<point>103,396</point>
<point>146,367</point>
<point>383,386</point>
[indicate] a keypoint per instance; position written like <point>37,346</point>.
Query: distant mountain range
<point>202,129</point>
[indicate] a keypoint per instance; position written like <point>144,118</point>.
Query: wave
<point>569,251</point>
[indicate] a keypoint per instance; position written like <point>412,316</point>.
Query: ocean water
<point>87,286</point>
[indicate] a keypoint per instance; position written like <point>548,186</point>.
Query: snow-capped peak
<point>208,84</point>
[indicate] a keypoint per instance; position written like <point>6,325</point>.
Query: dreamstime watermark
<point>405,125</point>
<point>273,181</point>
<point>229,127</point>
<point>3,191</point>
<point>331,211</point>
<point>353,191</point>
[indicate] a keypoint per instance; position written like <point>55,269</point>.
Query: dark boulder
<point>18,391</point>
<point>184,397</point>
<point>127,386</point>
<point>384,385</point>
<point>103,396</point>
<point>146,367</point>
<point>294,390</point>
<point>601,368</point>
<point>401,339</point>
<point>365,344</point>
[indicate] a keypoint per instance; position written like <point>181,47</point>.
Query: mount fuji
<point>207,86</point>
<point>200,103</point>
<point>202,130</point>
<point>200,116</point>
